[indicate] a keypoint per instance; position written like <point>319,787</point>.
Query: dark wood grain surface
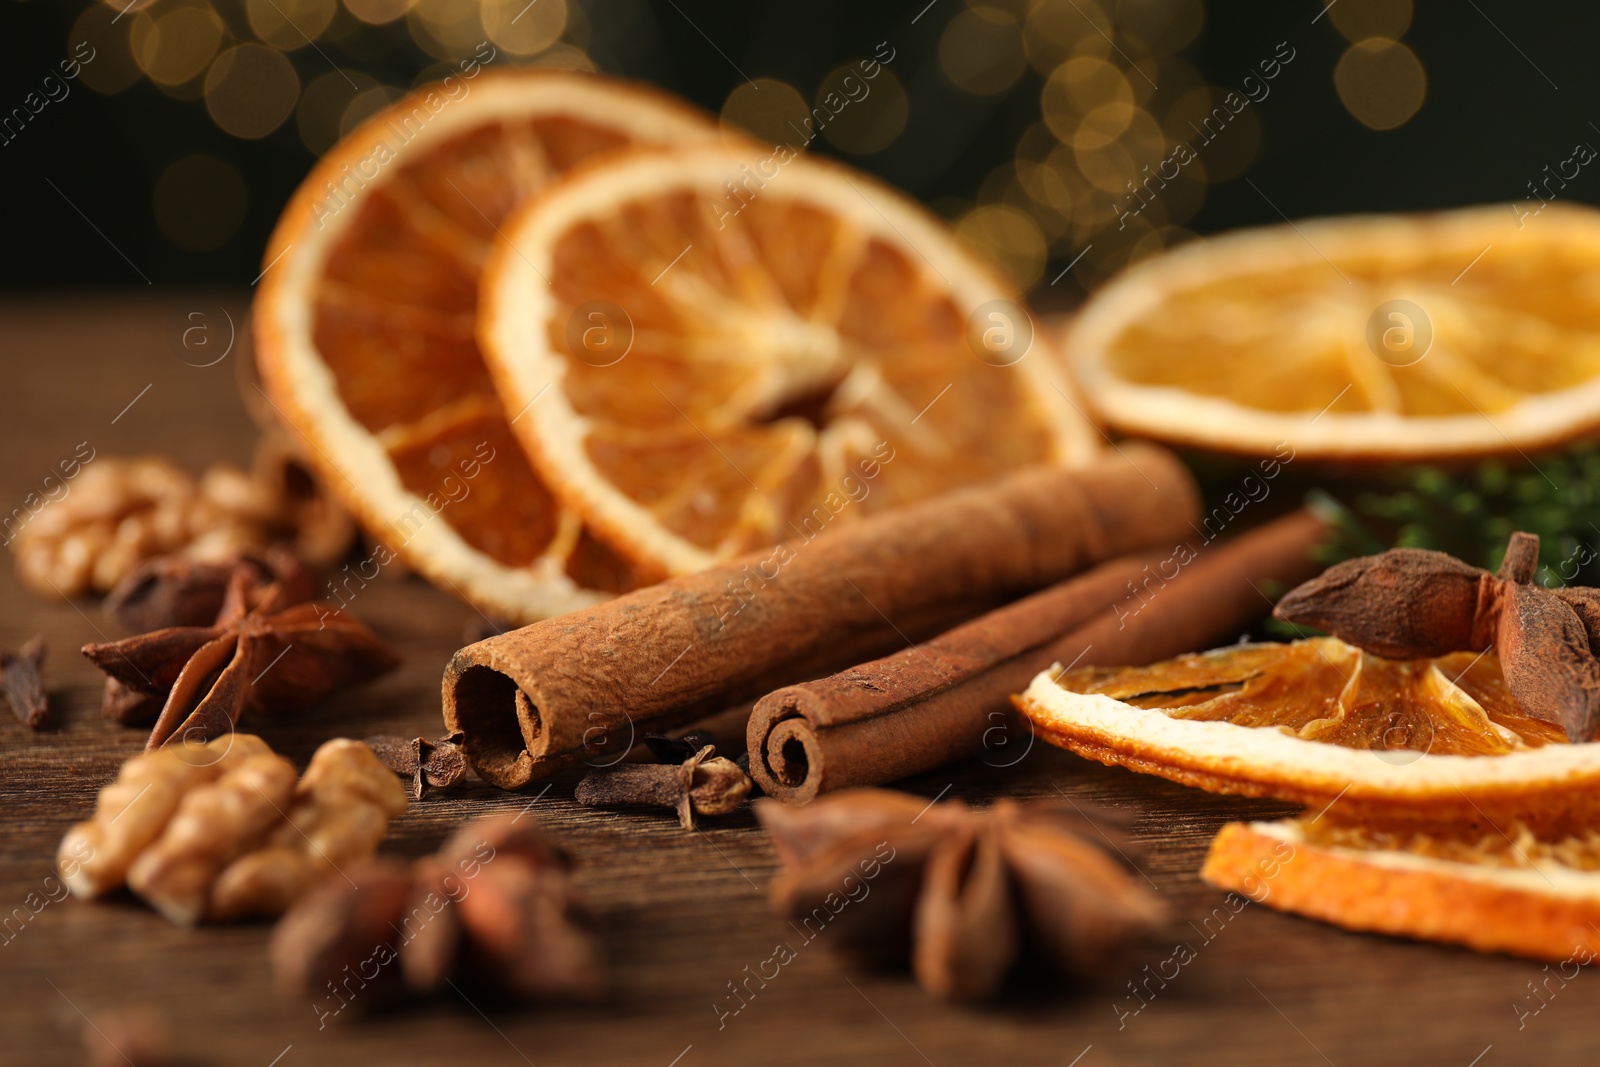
<point>683,913</point>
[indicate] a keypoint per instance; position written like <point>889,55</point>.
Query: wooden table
<point>683,913</point>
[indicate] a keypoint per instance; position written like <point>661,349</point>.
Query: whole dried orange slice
<point>1431,742</point>
<point>721,348</point>
<point>365,327</point>
<point>1403,337</point>
<point>1505,891</point>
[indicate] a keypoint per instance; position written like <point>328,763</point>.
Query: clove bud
<point>22,684</point>
<point>703,784</point>
<point>439,764</point>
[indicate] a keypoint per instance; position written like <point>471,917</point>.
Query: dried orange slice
<point>365,327</point>
<point>1502,892</point>
<point>719,349</point>
<point>1437,742</point>
<point>1460,333</point>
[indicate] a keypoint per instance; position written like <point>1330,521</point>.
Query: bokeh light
<point>980,50</point>
<point>113,69</point>
<point>524,29</point>
<point>377,12</point>
<point>446,28</point>
<point>1008,238</point>
<point>365,104</point>
<point>769,110</point>
<point>199,202</point>
<point>1160,27</point>
<point>290,24</point>
<point>250,90</point>
<point>173,45</point>
<point>319,117</point>
<point>1359,19</point>
<point>127,7</point>
<point>861,115</point>
<point>1079,86</point>
<point>1381,82</point>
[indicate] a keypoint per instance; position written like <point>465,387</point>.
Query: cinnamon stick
<point>941,701</point>
<point>539,699</point>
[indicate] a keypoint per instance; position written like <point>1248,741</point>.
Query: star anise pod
<point>1413,603</point>
<point>261,654</point>
<point>965,893</point>
<point>496,909</point>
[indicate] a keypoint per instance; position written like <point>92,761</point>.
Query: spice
<point>540,699</point>
<point>439,764</point>
<point>122,511</point>
<point>495,909</point>
<point>22,684</point>
<point>1413,603</point>
<point>966,894</point>
<point>261,655</point>
<point>948,699</point>
<point>127,706</point>
<point>703,784</point>
<point>178,591</point>
<point>223,831</point>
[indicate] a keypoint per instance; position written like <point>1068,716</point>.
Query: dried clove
<point>437,764</point>
<point>23,685</point>
<point>703,784</point>
<point>1412,603</point>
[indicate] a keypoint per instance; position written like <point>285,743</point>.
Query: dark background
<point>1510,89</point>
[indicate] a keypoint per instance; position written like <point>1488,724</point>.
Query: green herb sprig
<point>1471,513</point>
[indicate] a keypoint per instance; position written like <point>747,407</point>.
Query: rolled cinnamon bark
<point>539,699</point>
<point>938,702</point>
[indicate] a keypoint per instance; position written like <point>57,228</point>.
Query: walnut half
<point>223,831</point>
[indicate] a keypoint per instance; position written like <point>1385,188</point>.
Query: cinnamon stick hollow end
<point>483,703</point>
